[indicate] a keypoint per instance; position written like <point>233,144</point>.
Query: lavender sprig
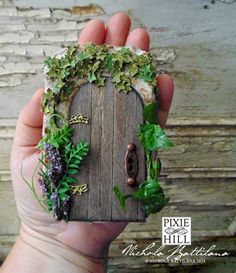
<point>56,165</point>
<point>42,183</point>
<point>60,159</point>
<point>55,208</point>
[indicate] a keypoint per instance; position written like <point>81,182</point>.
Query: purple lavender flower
<point>42,183</point>
<point>58,168</point>
<point>52,178</point>
<point>65,207</point>
<point>55,171</point>
<point>54,198</point>
<point>55,209</point>
<point>56,165</point>
<point>51,152</point>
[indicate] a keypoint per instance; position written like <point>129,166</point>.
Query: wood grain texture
<point>133,114</point>
<point>113,120</point>
<point>81,104</point>
<point>107,140</point>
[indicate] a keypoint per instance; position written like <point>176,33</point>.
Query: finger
<point>94,31</point>
<point>166,87</point>
<point>139,38</point>
<point>29,125</point>
<point>117,29</point>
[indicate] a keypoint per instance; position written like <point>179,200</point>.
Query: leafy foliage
<point>72,156</point>
<point>150,113</point>
<point>48,102</point>
<point>152,196</point>
<point>149,193</point>
<point>93,62</point>
<point>152,137</point>
<point>56,136</point>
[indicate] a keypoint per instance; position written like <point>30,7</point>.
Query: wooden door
<point>113,120</point>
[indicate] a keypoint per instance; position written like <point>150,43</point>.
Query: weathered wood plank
<point>130,123</point>
<point>95,198</point>
<point>134,116</point>
<point>119,151</point>
<point>200,152</point>
<point>81,132</point>
<point>201,220</point>
<point>203,194</point>
<point>127,116</point>
<point>141,155</point>
<point>107,139</point>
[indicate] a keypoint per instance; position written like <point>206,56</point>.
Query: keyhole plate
<point>131,164</point>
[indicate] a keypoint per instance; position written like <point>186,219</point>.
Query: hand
<point>90,239</point>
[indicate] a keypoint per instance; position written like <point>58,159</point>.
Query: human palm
<point>29,131</point>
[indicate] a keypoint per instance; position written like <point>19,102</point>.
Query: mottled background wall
<point>195,41</point>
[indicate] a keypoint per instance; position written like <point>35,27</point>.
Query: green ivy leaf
<point>80,56</point>
<point>150,113</point>
<point>146,73</point>
<point>117,77</point>
<point>133,69</point>
<point>152,137</point>
<point>100,81</point>
<point>151,196</point>
<point>120,86</point>
<point>92,77</point>
<point>147,189</point>
<point>149,193</point>
<point>155,203</point>
<point>71,51</point>
<point>143,59</point>
<point>48,102</point>
<point>109,63</point>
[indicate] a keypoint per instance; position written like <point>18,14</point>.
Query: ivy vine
<point>94,62</point>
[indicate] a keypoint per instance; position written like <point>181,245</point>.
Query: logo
<point>176,230</point>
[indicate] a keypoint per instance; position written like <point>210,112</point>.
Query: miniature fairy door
<point>113,118</point>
